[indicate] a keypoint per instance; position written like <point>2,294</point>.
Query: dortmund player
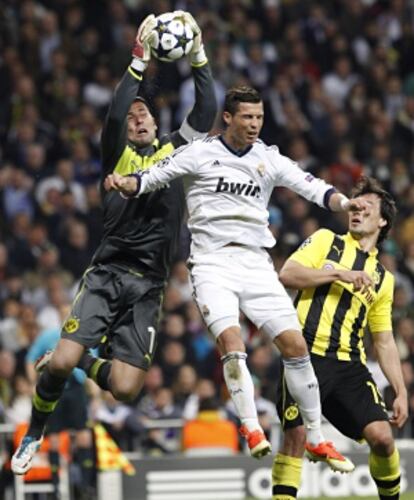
<point>121,292</point>
<point>343,290</point>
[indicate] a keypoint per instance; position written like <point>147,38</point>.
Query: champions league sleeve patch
<point>306,243</point>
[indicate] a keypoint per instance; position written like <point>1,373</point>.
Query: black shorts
<point>71,413</point>
<point>350,398</point>
<point>118,302</point>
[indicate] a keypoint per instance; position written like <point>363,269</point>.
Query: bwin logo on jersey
<point>249,189</point>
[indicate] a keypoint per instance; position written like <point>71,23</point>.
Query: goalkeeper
<point>120,293</point>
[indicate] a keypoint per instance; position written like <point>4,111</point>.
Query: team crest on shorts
<point>205,310</point>
<point>291,412</point>
<point>71,325</point>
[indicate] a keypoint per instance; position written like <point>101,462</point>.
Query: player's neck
<point>234,142</point>
<point>367,243</point>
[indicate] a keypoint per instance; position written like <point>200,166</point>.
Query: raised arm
<point>201,118</point>
<point>304,268</point>
<point>298,276</point>
<point>114,129</point>
<point>288,174</point>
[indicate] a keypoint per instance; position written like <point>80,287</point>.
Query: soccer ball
<point>173,38</point>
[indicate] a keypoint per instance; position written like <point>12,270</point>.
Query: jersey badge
<point>71,325</point>
<point>291,412</point>
<point>261,169</point>
<point>376,277</point>
<point>305,243</point>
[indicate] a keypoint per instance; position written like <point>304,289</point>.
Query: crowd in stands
<point>337,80</point>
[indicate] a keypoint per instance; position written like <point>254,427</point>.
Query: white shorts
<point>236,278</point>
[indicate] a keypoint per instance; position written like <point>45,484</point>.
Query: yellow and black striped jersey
<point>333,316</point>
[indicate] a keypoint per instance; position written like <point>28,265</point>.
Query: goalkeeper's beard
<point>142,140</point>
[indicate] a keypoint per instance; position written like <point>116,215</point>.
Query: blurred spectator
<point>263,364</point>
<point>17,196</point>
<point>20,407</point>
<point>204,389</point>
<point>113,414</point>
<point>163,439</point>
<point>75,250</point>
<point>7,371</point>
<point>184,385</point>
<point>209,433</point>
<point>61,181</point>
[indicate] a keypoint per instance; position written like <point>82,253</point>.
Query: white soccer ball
<point>173,38</point>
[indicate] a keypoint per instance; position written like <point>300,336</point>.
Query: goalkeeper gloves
<point>197,54</point>
<point>141,52</point>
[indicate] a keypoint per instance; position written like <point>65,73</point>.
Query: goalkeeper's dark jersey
<point>143,233</point>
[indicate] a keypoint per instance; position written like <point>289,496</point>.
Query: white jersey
<point>227,193</point>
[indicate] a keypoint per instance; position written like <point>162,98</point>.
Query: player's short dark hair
<point>368,185</point>
<point>147,103</point>
<point>236,95</point>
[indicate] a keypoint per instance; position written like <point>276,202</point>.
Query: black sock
<point>86,459</point>
<point>86,362</point>
<point>97,369</point>
<point>49,388</point>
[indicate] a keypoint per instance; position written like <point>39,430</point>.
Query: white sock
<point>303,386</point>
<point>240,386</point>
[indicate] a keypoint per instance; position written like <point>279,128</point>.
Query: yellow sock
<point>286,472</point>
<point>386,474</point>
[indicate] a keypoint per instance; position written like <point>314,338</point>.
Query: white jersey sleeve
<point>287,173</point>
<point>182,162</point>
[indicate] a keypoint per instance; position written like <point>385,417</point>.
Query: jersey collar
<point>236,152</point>
<point>349,239</point>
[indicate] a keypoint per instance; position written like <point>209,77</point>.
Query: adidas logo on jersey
<point>249,189</point>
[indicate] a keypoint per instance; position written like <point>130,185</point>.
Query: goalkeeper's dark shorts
<point>117,302</point>
<point>350,398</point>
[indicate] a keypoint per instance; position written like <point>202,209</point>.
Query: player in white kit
<point>228,181</point>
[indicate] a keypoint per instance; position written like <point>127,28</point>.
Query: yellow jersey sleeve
<point>380,313</point>
<point>313,250</point>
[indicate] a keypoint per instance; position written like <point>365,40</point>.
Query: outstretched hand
<point>357,205</point>
<point>126,185</point>
<point>142,47</point>
<point>197,53</point>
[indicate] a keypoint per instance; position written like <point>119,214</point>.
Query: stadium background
<point>337,79</point>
